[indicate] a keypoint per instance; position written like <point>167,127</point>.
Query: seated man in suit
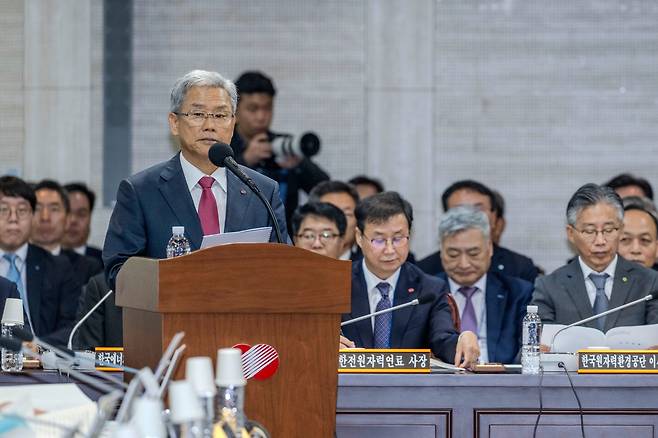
<point>638,241</point>
<point>45,282</point>
<point>319,227</point>
<point>366,186</point>
<point>490,304</point>
<point>81,201</point>
<point>598,279</point>
<point>7,290</point>
<point>49,225</point>
<point>383,279</point>
<point>189,190</point>
<point>104,327</point>
<point>626,184</point>
<point>505,261</point>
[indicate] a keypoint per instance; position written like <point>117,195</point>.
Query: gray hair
<point>589,195</point>
<point>201,78</point>
<point>464,217</point>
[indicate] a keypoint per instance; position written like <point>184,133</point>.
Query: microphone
<point>69,344</point>
<point>423,299</point>
<point>221,155</point>
<point>599,315</point>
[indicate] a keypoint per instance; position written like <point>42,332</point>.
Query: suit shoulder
<point>513,255</point>
<point>425,279</point>
<point>515,285</point>
<point>430,264</point>
<point>260,179</point>
<point>148,175</point>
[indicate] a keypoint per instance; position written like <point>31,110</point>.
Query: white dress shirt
<point>480,306</point>
<point>374,296</point>
<point>589,284</point>
<point>82,250</point>
<point>219,187</point>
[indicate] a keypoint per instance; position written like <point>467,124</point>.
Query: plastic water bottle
<point>531,334</point>
<point>12,317</point>
<point>178,244</point>
<point>230,383</point>
<point>11,361</point>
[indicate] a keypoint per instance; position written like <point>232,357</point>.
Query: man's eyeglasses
<point>21,212</point>
<point>310,236</point>
<point>198,117</point>
<point>590,234</point>
<point>380,242</point>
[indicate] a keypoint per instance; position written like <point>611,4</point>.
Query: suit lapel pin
<point>411,290</point>
<point>624,279</point>
<point>500,296</point>
<point>243,192</point>
<point>501,267</point>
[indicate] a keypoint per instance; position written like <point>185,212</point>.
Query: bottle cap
<point>229,368</point>
<point>178,230</point>
<point>199,372</point>
<point>147,417</point>
<point>13,313</point>
<point>532,309</point>
<point>183,403</point>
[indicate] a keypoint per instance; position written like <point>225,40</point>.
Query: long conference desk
<point>469,405</point>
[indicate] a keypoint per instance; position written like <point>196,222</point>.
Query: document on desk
<point>253,235</point>
<point>571,340</point>
<point>438,366</point>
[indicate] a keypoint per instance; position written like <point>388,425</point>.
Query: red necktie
<point>208,207</point>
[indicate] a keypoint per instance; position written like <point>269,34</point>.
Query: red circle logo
<point>260,361</point>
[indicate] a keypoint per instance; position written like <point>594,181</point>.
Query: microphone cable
<point>541,402</point>
<point>573,389</point>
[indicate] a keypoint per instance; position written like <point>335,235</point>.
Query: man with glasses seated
<point>383,278</point>
<point>319,227</point>
<point>598,279</point>
<point>189,190</point>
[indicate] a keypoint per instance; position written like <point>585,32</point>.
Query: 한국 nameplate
<point>618,361</point>
<point>383,361</point>
<point>109,356</point>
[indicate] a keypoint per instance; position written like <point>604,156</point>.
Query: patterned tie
<point>383,322</point>
<point>601,300</point>
<point>208,207</point>
<point>14,275</point>
<point>468,319</point>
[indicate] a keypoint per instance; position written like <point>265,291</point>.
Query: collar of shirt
<point>371,288</point>
<point>193,175</point>
<point>481,285</point>
<point>57,250</point>
<point>20,260</point>
<point>610,269</point>
<point>81,249</point>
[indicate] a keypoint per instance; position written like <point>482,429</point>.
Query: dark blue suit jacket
<point>7,290</point>
<point>503,261</point>
<point>506,300</point>
<point>52,293</point>
<point>152,201</point>
<point>424,326</point>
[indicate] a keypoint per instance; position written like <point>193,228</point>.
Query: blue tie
<point>383,322</point>
<point>14,275</point>
<point>601,300</point>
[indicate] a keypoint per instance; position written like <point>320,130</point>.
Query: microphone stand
<point>599,315</point>
<point>380,312</point>
<point>84,318</point>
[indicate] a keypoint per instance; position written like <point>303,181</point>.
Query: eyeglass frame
<point>382,242</point>
<point>22,212</point>
<point>198,118</point>
<point>324,236</point>
<point>591,235</point>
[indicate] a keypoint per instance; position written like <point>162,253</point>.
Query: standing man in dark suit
<point>504,261</point>
<point>7,290</point>
<point>252,142</point>
<point>188,189</point>
<point>383,279</point>
<point>45,282</point>
<point>492,305</point>
<point>598,279</point>
<point>81,201</point>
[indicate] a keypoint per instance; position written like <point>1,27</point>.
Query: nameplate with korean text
<point>359,360</point>
<point>109,356</point>
<point>618,361</point>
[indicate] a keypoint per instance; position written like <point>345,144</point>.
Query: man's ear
<point>570,235</point>
<point>359,237</point>
<point>173,124</point>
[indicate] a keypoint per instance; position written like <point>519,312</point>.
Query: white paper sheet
<point>578,338</point>
<point>253,235</point>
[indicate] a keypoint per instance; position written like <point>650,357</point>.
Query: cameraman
<point>252,147</point>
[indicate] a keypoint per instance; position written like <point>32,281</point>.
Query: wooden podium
<point>272,294</point>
